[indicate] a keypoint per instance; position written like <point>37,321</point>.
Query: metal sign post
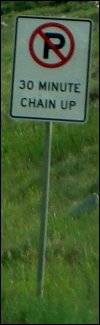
<point>50,83</point>
<point>44,208</point>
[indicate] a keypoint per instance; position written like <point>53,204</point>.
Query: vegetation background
<point>71,273</point>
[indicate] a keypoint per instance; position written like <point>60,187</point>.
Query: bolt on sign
<point>51,69</point>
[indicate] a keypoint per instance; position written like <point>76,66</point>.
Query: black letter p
<point>47,47</point>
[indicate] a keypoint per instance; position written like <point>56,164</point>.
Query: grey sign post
<point>50,83</point>
<point>44,207</point>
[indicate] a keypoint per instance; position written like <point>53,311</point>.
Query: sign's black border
<point>87,76</point>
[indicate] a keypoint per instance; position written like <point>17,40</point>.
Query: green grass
<point>71,285</point>
<point>71,273</point>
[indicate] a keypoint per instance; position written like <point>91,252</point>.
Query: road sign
<point>51,69</point>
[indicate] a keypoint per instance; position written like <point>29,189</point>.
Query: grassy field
<point>71,273</point>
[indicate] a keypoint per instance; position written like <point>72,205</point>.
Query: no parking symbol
<point>57,32</point>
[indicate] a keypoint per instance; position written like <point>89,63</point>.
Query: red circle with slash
<point>63,59</point>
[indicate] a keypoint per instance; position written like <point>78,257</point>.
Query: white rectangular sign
<point>51,68</point>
